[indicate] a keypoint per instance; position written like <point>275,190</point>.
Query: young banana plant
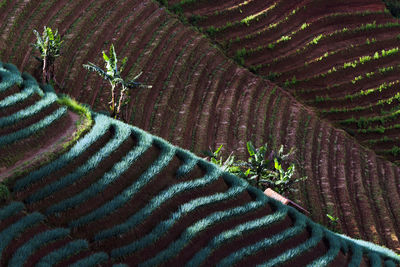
<point>112,74</point>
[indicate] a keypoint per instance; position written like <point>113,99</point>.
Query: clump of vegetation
<point>393,6</point>
<point>4,193</point>
<point>263,169</point>
<point>49,46</point>
<point>112,74</point>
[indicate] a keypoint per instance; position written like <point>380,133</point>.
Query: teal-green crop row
<point>21,255</point>
<point>66,251</point>
<point>43,103</point>
<point>236,232</point>
<point>316,236</point>
<point>366,246</point>
<point>100,127</point>
<point>155,203</point>
<point>334,247</point>
<point>30,87</point>
<point>30,130</point>
<point>10,210</point>
<point>130,191</point>
<point>297,228</point>
<point>8,234</point>
<point>92,260</point>
<point>9,78</point>
<point>117,170</point>
<point>356,248</point>
<point>120,136</point>
<point>209,221</point>
<point>182,210</point>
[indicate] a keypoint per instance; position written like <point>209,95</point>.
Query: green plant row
<point>236,232</point>
<point>129,192</point>
<point>237,187</point>
<point>121,134</point>
<point>68,250</point>
<point>100,127</point>
<point>92,260</point>
<point>111,176</point>
<point>344,31</point>
<point>30,130</point>
<point>10,210</point>
<point>211,220</point>
<point>297,228</point>
<point>9,77</point>
<point>43,103</point>
<point>32,245</point>
<point>22,254</point>
<point>30,88</point>
<point>364,122</point>
<point>362,60</point>
<point>156,202</point>
<point>10,233</point>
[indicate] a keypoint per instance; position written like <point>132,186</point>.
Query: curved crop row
<point>198,103</point>
<point>155,203</point>
<point>264,36</point>
<point>37,243</point>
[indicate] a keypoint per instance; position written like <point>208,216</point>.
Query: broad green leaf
<point>250,148</point>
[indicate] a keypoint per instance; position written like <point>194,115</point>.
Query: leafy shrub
<point>4,193</point>
<point>262,169</point>
<point>393,6</point>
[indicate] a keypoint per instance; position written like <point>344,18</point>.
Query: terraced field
<point>340,57</point>
<point>120,194</point>
<point>202,99</point>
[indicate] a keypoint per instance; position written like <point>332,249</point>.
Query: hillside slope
<point>120,194</point>
<point>202,99</point>
<point>340,57</point>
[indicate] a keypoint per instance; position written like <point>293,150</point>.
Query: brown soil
<point>26,235</point>
<point>196,121</point>
<point>283,49</point>
<point>348,54</point>
<point>19,105</point>
<point>176,230</point>
<point>206,7</point>
<point>22,149</point>
<point>21,124</point>
<point>45,250</point>
<point>73,164</point>
<point>36,149</point>
<point>235,14</point>
<point>279,12</point>
<point>328,44</point>
<point>107,195</point>
<point>85,181</point>
<point>9,91</point>
<point>38,23</point>
<point>249,238</point>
